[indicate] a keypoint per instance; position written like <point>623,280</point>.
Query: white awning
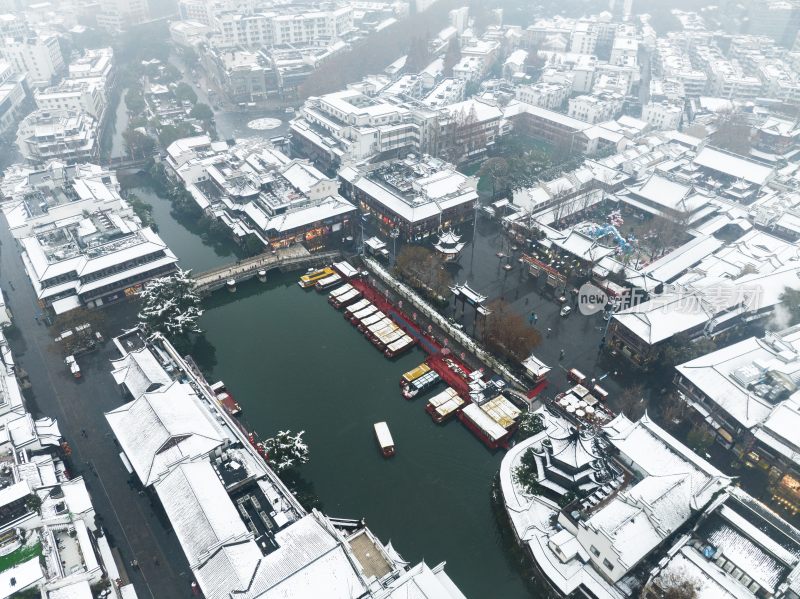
<point>66,304</point>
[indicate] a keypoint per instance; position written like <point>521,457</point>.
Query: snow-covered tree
<point>170,305</point>
<point>286,450</point>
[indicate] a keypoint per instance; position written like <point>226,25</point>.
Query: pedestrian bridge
<point>292,258</point>
<point>120,163</point>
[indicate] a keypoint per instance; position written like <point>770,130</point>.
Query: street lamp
<point>363,221</point>
<point>394,234</point>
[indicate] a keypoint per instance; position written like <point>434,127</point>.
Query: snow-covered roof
<point>708,579</point>
<point>669,194</point>
<point>734,166</point>
<point>161,428</point>
<point>139,371</point>
<point>200,511</point>
<point>669,267</point>
<point>330,207</point>
<point>573,448</point>
<point>702,299</point>
<point>76,590</point>
<point>723,377</point>
<point>20,576</point>
<point>77,496</point>
<point>303,176</point>
<point>311,561</point>
<point>423,582</point>
<point>651,451</point>
<point>638,519</point>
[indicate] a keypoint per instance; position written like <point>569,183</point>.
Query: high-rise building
<point>37,56</point>
<point>118,15</point>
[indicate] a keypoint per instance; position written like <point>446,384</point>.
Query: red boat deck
<point>230,404</point>
<point>436,358</point>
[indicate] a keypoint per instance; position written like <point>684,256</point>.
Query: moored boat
<point>398,347</point>
<point>355,307</point>
<point>334,295</point>
<point>384,438</point>
<point>225,398</point>
<point>502,411</point>
<point>414,373</point>
<point>483,426</point>
<point>345,299</point>
<point>371,320</point>
<point>357,317</point>
<point>421,384</point>
<point>444,405</point>
<point>328,282</point>
<point>311,278</point>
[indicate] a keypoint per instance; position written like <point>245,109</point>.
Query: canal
<point>294,363</point>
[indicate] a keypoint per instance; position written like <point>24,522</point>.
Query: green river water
<point>292,361</point>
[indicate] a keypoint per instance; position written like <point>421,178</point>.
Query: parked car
<point>72,364</point>
<point>565,311</point>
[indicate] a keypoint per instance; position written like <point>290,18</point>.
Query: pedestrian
<point>83,432</point>
<point>549,330</point>
<point>561,355</point>
<point>155,561</point>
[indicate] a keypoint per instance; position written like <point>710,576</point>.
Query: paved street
<point>136,527</point>
<point>579,336</point>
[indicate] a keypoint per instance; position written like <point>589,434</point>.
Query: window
<point>608,564</point>
<point>594,551</point>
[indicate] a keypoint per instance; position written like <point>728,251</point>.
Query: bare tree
<point>507,334</point>
<point>733,133</point>
<point>631,401</point>
<point>673,409</point>
<point>424,270</point>
<point>496,171</point>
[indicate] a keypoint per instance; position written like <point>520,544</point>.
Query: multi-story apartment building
<point>118,15</point>
<point>62,134</point>
<point>596,108</point>
<point>77,96</point>
<point>195,10</point>
<point>351,126</point>
<point>37,56</point>
<point>94,64</point>
<point>13,92</point>
<point>663,114</point>
<point>255,30</point>
<point>672,61</point>
<point>545,95</point>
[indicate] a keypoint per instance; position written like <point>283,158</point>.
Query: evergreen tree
<point>286,450</point>
<point>170,305</point>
